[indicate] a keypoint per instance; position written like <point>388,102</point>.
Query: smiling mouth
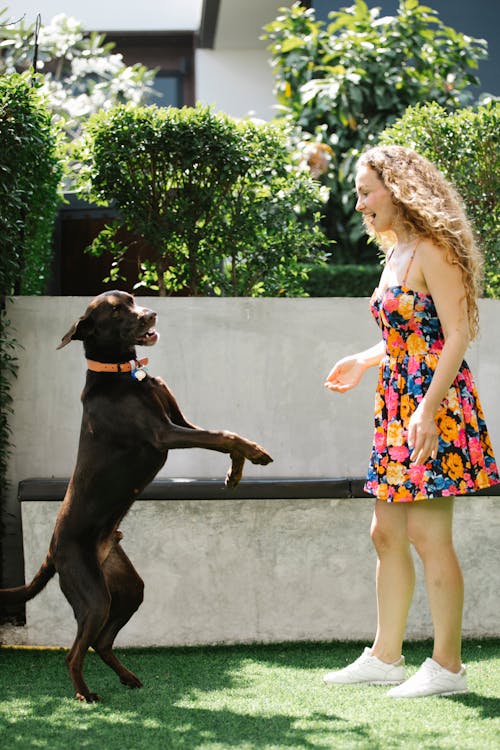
<point>149,338</point>
<point>368,221</point>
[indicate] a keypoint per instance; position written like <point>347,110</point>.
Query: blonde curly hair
<point>429,206</point>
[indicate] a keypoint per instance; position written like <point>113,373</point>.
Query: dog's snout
<point>149,316</point>
<point>145,314</point>
<point>147,333</point>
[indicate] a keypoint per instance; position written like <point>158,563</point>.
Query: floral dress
<point>465,460</point>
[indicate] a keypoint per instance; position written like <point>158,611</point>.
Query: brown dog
<point>130,421</point>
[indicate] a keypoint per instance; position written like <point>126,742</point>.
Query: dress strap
<point>410,262</point>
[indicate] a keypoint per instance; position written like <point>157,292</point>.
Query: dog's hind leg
<point>127,590</point>
<point>84,586</point>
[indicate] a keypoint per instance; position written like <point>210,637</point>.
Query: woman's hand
<point>345,374</point>
<point>423,436</point>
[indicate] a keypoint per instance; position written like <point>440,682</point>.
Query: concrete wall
<point>260,571</point>
<point>253,366</point>
<point>242,570</point>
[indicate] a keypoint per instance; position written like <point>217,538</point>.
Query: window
<point>168,90</point>
<point>172,54</point>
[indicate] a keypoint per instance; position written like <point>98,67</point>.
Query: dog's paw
<point>235,473</point>
<point>231,480</point>
<point>260,456</point>
<point>88,698</point>
<point>129,679</point>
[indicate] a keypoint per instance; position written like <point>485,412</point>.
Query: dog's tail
<point>30,590</point>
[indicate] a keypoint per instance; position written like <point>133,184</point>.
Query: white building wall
<point>237,82</point>
<point>114,15</point>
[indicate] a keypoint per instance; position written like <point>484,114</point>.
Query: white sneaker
<point>431,679</point>
<point>368,670</point>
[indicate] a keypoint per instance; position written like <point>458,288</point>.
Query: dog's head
<point>112,326</point>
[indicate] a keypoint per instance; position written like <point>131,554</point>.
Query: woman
<point>431,442</point>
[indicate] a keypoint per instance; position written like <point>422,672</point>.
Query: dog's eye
<point>116,309</point>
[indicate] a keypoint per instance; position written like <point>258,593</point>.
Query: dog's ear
<point>79,331</point>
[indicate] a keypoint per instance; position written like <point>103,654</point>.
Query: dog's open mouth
<point>149,338</point>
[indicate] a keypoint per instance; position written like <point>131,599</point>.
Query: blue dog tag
<point>139,374</point>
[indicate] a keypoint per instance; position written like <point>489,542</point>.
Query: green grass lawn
<point>245,697</point>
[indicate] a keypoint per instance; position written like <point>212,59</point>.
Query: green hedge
<point>342,281</point>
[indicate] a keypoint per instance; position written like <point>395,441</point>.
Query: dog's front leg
<point>235,471</point>
<point>174,436</point>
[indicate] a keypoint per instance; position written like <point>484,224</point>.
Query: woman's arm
<point>446,287</point>
<point>347,372</point>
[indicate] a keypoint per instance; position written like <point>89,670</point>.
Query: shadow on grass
<point>149,718</point>
<point>205,698</point>
<point>179,729</point>
<point>36,712</point>
<point>487,707</point>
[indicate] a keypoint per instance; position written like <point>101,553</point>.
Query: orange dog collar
<point>135,366</point>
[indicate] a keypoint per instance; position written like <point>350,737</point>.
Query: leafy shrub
<point>219,202</point>
<point>8,371</point>
<point>465,146</point>
<point>30,173</point>
<point>344,82</point>
<point>29,177</point>
<point>347,280</point>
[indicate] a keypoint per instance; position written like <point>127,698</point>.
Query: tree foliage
<point>81,74</point>
<point>343,82</point>
<point>220,203</point>
<point>466,148</point>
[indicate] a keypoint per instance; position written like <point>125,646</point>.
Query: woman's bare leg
<point>395,578</point>
<point>430,530</point>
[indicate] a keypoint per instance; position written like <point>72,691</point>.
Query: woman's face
<point>374,201</point>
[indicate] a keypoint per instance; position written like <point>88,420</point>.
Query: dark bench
<point>214,489</point>
<point>53,489</point>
